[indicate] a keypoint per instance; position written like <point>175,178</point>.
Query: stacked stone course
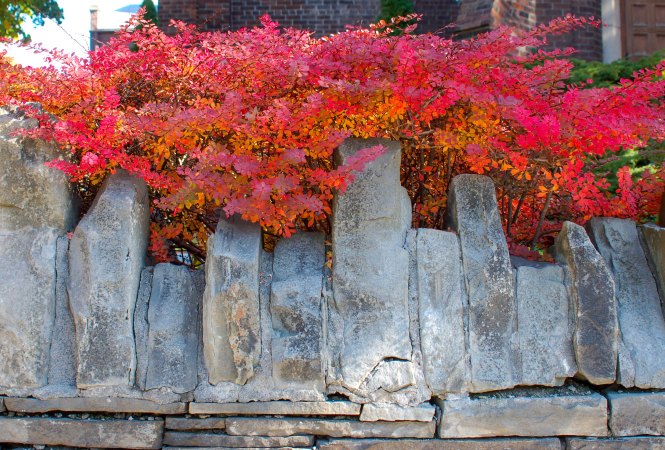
<point>416,339</point>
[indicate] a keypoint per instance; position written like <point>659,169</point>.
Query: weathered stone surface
<point>31,194</point>
<point>633,414</point>
<point>534,413</point>
<point>448,444</point>
<point>27,305</point>
<point>108,404</point>
<point>332,428</point>
<point>392,413</point>
<point>591,288</point>
<point>231,319</point>
<point>187,424</point>
<point>644,443</point>
<point>442,308</point>
<point>141,327</point>
<point>82,433</point>
<point>2,404</point>
<point>545,326</point>
<point>222,440</point>
<point>278,408</point>
<point>370,311</point>
<point>295,307</point>
<point>654,243</point>
<point>640,315</point>
<point>106,256</point>
<point>173,339</point>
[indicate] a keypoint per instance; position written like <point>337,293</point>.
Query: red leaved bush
<point>247,121</point>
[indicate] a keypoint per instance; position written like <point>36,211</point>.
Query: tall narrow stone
<point>295,306</point>
<point>641,323</point>
<point>370,275</point>
<point>231,318</point>
<point>442,307</point>
<point>545,326</point>
<point>654,240</point>
<point>594,307</point>
<point>474,215</point>
<point>106,256</point>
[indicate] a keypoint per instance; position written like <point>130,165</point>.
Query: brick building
<point>635,27</point>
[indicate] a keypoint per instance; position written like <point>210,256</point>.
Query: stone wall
<point>416,338</point>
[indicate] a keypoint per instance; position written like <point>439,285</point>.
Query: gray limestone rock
<point>222,440</point>
<point>27,306</point>
<point>106,256</point>
<point>189,424</point>
<point>97,404</point>
<point>231,319</point>
<point>547,412</point>
<point>31,194</point>
<point>442,311</point>
<point>393,413</point>
<point>279,408</point>
<point>654,243</point>
<point>326,427</point>
<point>493,347</point>
<point>641,443</point>
<point>439,444</point>
<point>591,288</point>
<point>295,307</point>
<point>641,321</point>
<point>639,413</point>
<point>173,314</point>
<point>370,310</point>
<point>141,327</point>
<point>545,326</point>
<point>135,434</point>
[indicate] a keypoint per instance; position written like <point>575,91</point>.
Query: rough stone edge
<point>90,404</point>
<point>341,408</point>
<point>431,444</point>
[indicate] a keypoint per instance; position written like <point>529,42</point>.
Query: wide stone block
<point>447,444</point>
<point>641,323</point>
<point>654,243</point>
<point>231,318</point>
<point>641,443</point>
<point>443,304</point>
<point>27,305</point>
<point>634,414</point>
<point>492,343</point>
<point>370,311</point>
<point>134,434</point>
<point>332,428</point>
<point>295,307</point>
<point>222,440</point>
<point>393,413</point>
<point>189,424</point>
<point>106,255</point>
<point>535,413</point>
<point>545,326</point>
<point>94,404</point>
<point>591,286</point>
<point>172,342</point>
<point>279,408</point>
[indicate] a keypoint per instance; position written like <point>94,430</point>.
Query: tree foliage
<point>395,8</point>
<point>247,122</point>
<point>150,11</point>
<point>14,13</point>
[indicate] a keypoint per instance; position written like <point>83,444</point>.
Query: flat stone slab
<point>641,443</point>
<point>2,405</point>
<point>439,444</point>
<point>82,433</point>
<point>392,413</point>
<point>92,404</point>
<point>517,414</point>
<point>188,424</point>
<point>277,408</point>
<point>222,440</point>
<point>332,428</point>
<point>654,240</point>
<point>634,414</point>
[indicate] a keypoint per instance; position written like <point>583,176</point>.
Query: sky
<point>73,35</point>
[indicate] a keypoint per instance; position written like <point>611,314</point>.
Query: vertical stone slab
<point>641,323</point>
<point>654,243</point>
<point>591,288</point>
<point>173,314</point>
<point>295,307</point>
<point>370,276</point>
<point>27,305</point>
<point>231,318</point>
<point>106,256</point>
<point>474,215</point>
<point>442,311</point>
<point>545,326</point>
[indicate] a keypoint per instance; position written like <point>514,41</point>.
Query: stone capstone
<point>136,434</point>
<point>639,310</point>
<point>392,413</point>
<point>279,408</point>
<point>591,287</point>
<point>492,344</point>
<point>295,307</point>
<point>641,443</point>
<point>106,256</point>
<point>654,243</point>
<point>231,318</point>
<point>94,404</point>
<point>221,440</point>
<point>638,413</point>
<point>448,444</point>
<point>27,305</point>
